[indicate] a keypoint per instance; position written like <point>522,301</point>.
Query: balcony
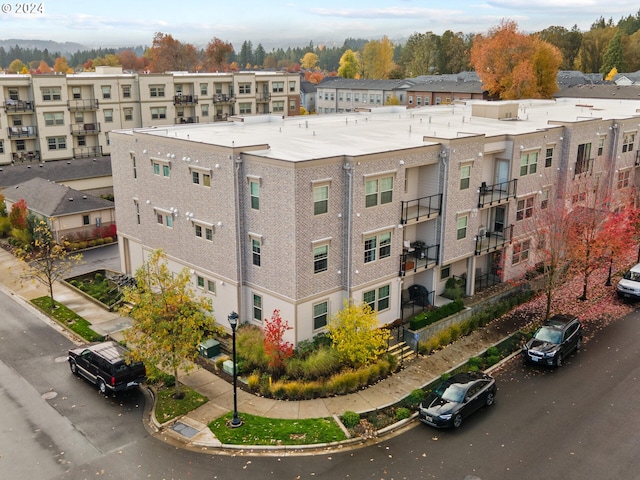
<point>185,99</point>
<point>29,156</point>
<point>78,105</point>
<point>85,128</point>
<point>22,132</point>
<point>264,98</point>
<point>491,241</point>
<point>18,106</point>
<point>496,194</point>
<point>221,98</point>
<point>423,208</point>
<point>418,256</point>
<point>193,119</point>
<point>86,152</point>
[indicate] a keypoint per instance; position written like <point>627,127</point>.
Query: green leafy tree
<point>16,66</point>
<point>377,59</point>
<point>354,334</point>
<point>567,41</point>
<point>169,319</point>
<point>614,56</point>
<point>349,65</point>
<point>50,261</point>
<point>420,54</point>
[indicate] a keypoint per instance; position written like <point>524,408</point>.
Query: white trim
<point>378,230</point>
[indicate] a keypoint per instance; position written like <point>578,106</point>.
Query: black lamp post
<point>233,321</point>
<point>608,282</point>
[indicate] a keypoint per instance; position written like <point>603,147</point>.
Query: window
<point>57,143</point>
<point>203,229</point>
<point>169,220</point>
<point>137,211</point>
<point>320,258</point>
<point>278,106</point>
<point>320,315</point>
<point>200,281</point>
<point>108,115</point>
<point>244,88</point>
<point>277,87</point>
<point>548,157</point>
<point>627,141</point>
<point>257,307</point>
<point>201,178</point>
<point>445,272</point>
<point>255,251</point>
<point>320,200</point>
<point>82,141</point>
<point>195,177</point>
<point>623,179</point>
<point>379,191</point>
<point>465,176</point>
<point>50,93</point>
<point>254,188</point>
<point>292,86</point>
<point>377,246</point>
<point>583,160</point>
<point>528,163</point>
<point>158,112</point>
<point>203,89</point>
<point>520,252</point>
<point>340,96</point>
<point>601,141</point>
<point>165,168</point>
<point>544,202</point>
<point>524,208</point>
<point>198,230</point>
<point>128,113</point>
<point>126,91</point>
<point>160,218</point>
<point>106,91</point>
<point>86,220</point>
<point>21,145</point>
<point>54,118</point>
<point>461,226</point>
<point>211,286</point>
<point>156,90</point>
<point>205,109</point>
<point>75,93</point>
<point>292,105</point>
<point>382,298</point>
<point>244,108</point>
<point>79,116</point>
<point>1,146</point>
<point>356,97</point>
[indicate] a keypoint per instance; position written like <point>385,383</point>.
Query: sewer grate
<point>184,430</point>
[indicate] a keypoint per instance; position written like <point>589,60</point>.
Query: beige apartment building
<point>62,117</point>
<point>299,214</point>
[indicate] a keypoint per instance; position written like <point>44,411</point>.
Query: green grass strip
<point>168,408</point>
<point>68,318</point>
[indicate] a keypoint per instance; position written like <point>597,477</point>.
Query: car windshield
<point>452,393</point>
<point>633,276</point>
<point>550,335</point>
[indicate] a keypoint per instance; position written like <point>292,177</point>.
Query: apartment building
<point>299,214</point>
<point>65,117</point>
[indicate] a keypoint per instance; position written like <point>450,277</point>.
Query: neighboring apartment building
<point>62,117</point>
<point>300,214</point>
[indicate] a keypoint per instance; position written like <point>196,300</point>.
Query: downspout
<point>348,167</point>
<point>444,157</point>
<point>237,162</point>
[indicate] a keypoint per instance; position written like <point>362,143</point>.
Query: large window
<point>548,157</point>
<point>156,90</point>
<point>583,159</point>
<point>257,307</point>
<point>320,200</point>
<point>601,141</point>
<point>161,169</point>
<point>51,93</point>
<point>377,299</point>
<point>520,252</point>
<point>377,247</point>
<point>528,163</point>
<point>203,89</point>
<point>244,88</point>
<point>254,190</point>
<point>623,179</point>
<point>108,115</point>
<point>128,113</point>
<point>278,106</point>
<point>277,87</point>
<point>524,208</point>
<point>461,227</point>
<point>378,191</point>
<point>126,91</point>
<point>106,91</point>
<point>244,108</point>
<point>320,315</point>
<point>202,231</point>
<point>158,113</point>
<point>54,118</point>
<point>201,178</point>
<point>57,143</point>
<point>627,141</point>
<point>465,176</point>
<point>256,246</point>
<point>320,258</point>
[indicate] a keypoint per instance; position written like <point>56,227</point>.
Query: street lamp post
<point>608,282</point>
<point>233,321</point>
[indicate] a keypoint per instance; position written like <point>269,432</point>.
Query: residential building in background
<point>300,214</point>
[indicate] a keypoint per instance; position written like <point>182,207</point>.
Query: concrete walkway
<point>417,372</point>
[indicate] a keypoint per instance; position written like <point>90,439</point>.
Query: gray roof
<point>56,171</point>
<point>611,91</point>
<point>308,87</point>
<point>52,200</point>
<point>357,84</point>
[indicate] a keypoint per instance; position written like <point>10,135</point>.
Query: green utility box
<point>209,348</point>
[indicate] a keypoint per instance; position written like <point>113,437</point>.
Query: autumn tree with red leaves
<point>216,55</point>
<point>169,54</point>
<point>18,215</point>
<point>275,347</point>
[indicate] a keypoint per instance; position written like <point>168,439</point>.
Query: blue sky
<point>113,23</point>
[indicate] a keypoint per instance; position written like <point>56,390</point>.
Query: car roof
<point>111,351</point>
<point>465,377</point>
<point>560,321</point>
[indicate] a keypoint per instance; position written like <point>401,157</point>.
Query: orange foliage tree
<point>513,65</point>
<point>169,54</point>
<point>275,347</point>
<point>216,55</point>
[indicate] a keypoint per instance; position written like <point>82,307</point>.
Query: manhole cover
<point>49,395</point>
<point>184,430</point>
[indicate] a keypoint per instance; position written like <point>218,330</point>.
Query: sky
<point>275,23</point>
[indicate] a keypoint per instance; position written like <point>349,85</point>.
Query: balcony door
<point>502,173</point>
<point>499,215</point>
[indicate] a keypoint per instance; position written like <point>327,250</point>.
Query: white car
<point>629,284</point>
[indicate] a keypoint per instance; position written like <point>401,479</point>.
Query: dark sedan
<point>554,340</point>
<point>456,398</point>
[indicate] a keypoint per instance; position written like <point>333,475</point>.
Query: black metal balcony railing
<point>263,98</point>
<point>421,208</point>
<point>496,194</point>
<point>491,241</point>
<point>185,99</point>
<point>192,119</point>
<point>222,98</point>
<point>85,128</point>
<point>419,257</point>
<point>486,280</point>
<point>83,104</point>
<point>85,152</point>
<point>26,156</point>
<point>12,106</point>
<point>22,132</point>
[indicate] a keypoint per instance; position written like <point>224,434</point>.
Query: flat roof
<point>386,129</point>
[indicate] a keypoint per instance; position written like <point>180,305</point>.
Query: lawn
<point>168,408</point>
<point>273,431</point>
<point>68,318</point>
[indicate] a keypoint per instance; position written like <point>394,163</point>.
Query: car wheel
<point>457,420</point>
<point>102,387</point>
<point>490,399</point>
<point>579,344</point>
<point>73,366</point>
<point>559,360</point>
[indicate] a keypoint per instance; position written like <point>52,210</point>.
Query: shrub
<point>5,227</point>
<point>492,360</point>
<point>253,382</point>
<point>402,413</point>
<point>414,399</point>
<point>433,316</point>
<point>475,363</point>
<point>444,337</point>
<point>250,347</point>
<point>492,351</point>
<point>350,419</point>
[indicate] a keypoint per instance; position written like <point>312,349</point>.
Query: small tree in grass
<point>354,333</point>
<point>49,261</point>
<point>169,319</point>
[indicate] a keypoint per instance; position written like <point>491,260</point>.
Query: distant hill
<point>66,48</point>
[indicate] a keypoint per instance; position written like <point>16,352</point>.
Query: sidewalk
<point>191,430</point>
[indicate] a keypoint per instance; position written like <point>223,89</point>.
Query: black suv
<point>105,365</point>
<point>554,340</point>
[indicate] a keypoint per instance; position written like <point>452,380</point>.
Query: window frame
<point>320,317</point>
<point>528,167</point>
<point>256,251</point>
<point>320,258</point>
<point>465,176</point>
<point>525,208</point>
<point>628,139</point>
<point>257,306</point>
<point>254,194</point>
<point>320,201</point>
<point>461,230</point>
<point>382,194</point>
<point>521,252</point>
